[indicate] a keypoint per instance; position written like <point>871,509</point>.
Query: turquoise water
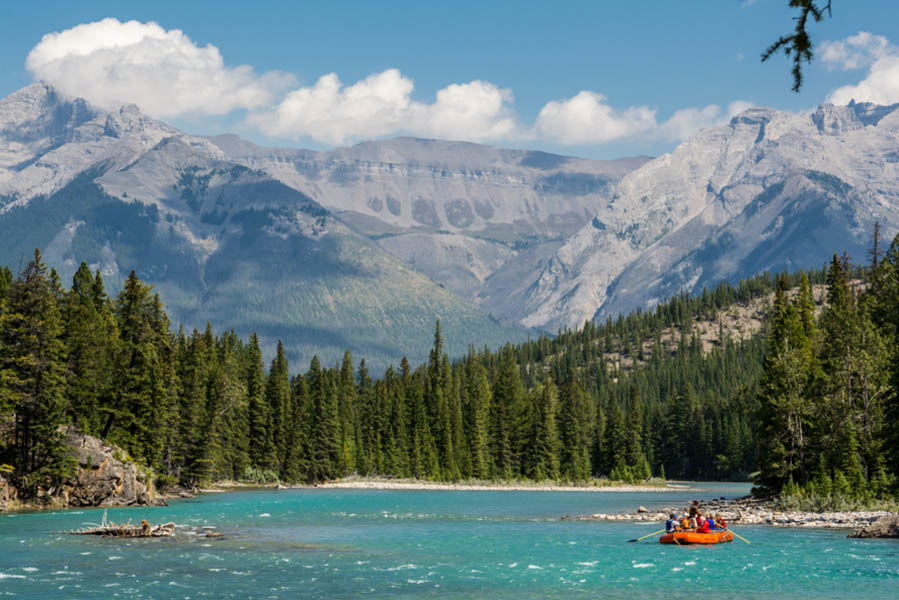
<point>427,544</point>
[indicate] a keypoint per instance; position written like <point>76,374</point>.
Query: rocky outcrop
<point>884,527</point>
<point>751,511</point>
<point>7,494</point>
<point>106,476</point>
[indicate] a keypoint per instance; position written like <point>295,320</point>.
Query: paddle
<point>648,535</point>
<point>740,536</point>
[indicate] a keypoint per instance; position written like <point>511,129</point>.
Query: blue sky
<point>599,79</point>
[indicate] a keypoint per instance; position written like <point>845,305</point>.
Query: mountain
<point>220,242</point>
<point>768,191</point>
<point>471,217</point>
<point>363,247</point>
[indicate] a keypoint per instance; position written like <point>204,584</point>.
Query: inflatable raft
<point>691,537</point>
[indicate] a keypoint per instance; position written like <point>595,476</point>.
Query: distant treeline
<point>612,399</point>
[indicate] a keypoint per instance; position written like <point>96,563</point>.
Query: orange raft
<point>691,537</point>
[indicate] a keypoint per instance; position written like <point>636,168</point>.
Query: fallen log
<point>128,530</point>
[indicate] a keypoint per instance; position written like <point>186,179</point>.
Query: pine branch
<point>799,45</point>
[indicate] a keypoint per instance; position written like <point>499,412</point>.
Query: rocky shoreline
<point>104,476</point>
<point>749,511</point>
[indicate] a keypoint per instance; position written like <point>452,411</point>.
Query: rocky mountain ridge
<point>479,235</point>
<point>769,191</point>
<point>221,242</point>
<point>466,215</point>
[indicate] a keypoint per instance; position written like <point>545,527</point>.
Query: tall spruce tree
<point>575,427</point>
<point>33,374</point>
<point>258,410</point>
<point>543,458</point>
<point>784,409</point>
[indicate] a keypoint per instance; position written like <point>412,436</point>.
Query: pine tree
<point>346,391</point>
<point>277,399</point>
<point>131,418</point>
<point>86,341</point>
<point>258,410</point>
<point>476,411</point>
<point>325,426</point>
<point>575,426</point>
<point>543,461</point>
<point>33,367</point>
<point>784,410</point>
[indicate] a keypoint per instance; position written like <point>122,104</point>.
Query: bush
<point>259,475</point>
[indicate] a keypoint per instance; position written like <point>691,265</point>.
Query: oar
<point>740,536</point>
<point>648,535</point>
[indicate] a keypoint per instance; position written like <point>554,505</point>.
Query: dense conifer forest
<point>807,404</point>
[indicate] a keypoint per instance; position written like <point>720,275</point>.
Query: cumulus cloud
<point>586,119</point>
<point>864,50</point>
<point>477,111</point>
<point>855,51</point>
<point>382,104</point>
<point>111,63</point>
<point>687,121</point>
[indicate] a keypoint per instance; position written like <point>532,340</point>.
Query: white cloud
<point>111,63</point>
<point>586,119</point>
<point>687,121</point>
<point>855,51</point>
<point>332,113</point>
<point>880,84</point>
<point>477,111</point>
<point>381,104</point>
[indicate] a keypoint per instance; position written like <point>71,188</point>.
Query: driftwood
<point>127,529</point>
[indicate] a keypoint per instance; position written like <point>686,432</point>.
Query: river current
<point>330,544</point>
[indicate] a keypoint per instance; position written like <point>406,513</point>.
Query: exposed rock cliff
<point>105,476</point>
<point>7,494</point>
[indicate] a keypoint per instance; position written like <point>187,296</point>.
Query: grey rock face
<point>222,242</point>
<point>884,527</point>
<point>105,477</point>
<point>7,493</point>
<point>768,191</point>
<point>511,200</point>
<point>543,240</point>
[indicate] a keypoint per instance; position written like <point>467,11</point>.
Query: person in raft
<point>671,525</point>
<point>720,522</point>
<point>685,523</point>
<point>695,518</point>
<point>704,525</point>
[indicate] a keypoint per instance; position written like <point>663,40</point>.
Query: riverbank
<point>749,511</point>
<point>375,483</point>
<point>380,484</point>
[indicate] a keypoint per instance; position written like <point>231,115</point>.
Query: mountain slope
<point>221,242</point>
<point>461,213</point>
<point>768,191</point>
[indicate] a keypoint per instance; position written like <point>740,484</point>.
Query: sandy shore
<point>377,484</point>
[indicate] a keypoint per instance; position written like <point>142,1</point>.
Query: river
<point>316,543</point>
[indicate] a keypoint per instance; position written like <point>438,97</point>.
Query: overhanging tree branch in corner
<point>799,45</point>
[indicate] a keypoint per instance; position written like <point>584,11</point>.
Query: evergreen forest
<point>806,405</point>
